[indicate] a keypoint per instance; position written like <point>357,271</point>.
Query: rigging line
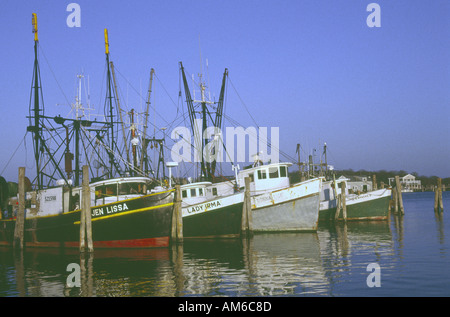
<point>23,140</point>
<point>267,143</point>
<point>236,123</point>
<point>139,94</point>
<point>166,91</point>
<point>54,76</point>
<point>101,87</point>
<point>120,158</point>
<point>254,121</point>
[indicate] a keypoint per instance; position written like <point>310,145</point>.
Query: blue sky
<point>379,97</point>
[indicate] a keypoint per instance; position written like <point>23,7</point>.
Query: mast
<point>144,140</point>
<point>207,169</point>
<point>111,111</point>
<point>119,110</point>
<point>219,114</point>
<point>36,108</point>
<point>134,143</point>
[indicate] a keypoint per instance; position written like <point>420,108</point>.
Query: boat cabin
<point>60,199</point>
<point>331,189</point>
<point>195,193</point>
<point>264,178</point>
<point>199,192</point>
<point>112,190</point>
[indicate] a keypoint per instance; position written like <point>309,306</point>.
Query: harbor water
<point>406,256</point>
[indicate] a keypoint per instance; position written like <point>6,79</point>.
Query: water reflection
<point>294,264</point>
<point>266,265</point>
<point>439,217</point>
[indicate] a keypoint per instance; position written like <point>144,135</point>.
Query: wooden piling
<point>399,195</point>
<point>19,228</point>
<point>338,207</point>
<point>177,218</point>
<point>374,182</point>
<point>341,204</point>
<point>343,201</point>
<point>246,221</point>
<point>85,217</point>
<point>179,215</point>
<point>438,203</point>
<point>395,199</point>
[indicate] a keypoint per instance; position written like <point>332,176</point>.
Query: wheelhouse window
<point>98,192</point>
<point>262,174</point>
<point>283,171</point>
<point>184,193</point>
<point>193,192</point>
<point>273,172</point>
<point>214,191</point>
<point>200,191</point>
<point>132,188</point>
<point>105,191</point>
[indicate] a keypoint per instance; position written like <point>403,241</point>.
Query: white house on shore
<point>408,183</point>
<point>359,184</point>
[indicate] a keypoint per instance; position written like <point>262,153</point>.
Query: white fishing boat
<point>372,205</point>
<point>279,206</point>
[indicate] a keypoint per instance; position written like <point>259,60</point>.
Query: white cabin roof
<point>195,185</point>
<point>122,180</point>
<point>252,169</point>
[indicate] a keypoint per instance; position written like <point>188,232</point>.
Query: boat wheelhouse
<point>276,204</point>
<point>266,178</point>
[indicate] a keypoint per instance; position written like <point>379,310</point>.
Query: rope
<point>23,140</point>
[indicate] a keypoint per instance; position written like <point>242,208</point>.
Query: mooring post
<point>436,198</point>
<point>395,199</point>
<point>176,232</point>
<point>85,214</point>
<point>179,214</point>
<point>438,203</point>
<point>248,208</point>
<point>399,193</point>
<point>338,207</point>
<point>20,218</point>
<point>246,226</point>
<point>87,208</point>
<point>343,201</point>
<point>374,182</point>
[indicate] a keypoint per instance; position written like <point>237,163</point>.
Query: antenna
<point>201,63</point>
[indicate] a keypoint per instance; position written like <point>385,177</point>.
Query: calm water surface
<point>412,252</point>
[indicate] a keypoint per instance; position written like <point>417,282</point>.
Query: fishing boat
<point>126,217</point>
<point>372,205</point>
<point>209,209</point>
<point>210,216</point>
<point>127,210</point>
<point>278,205</point>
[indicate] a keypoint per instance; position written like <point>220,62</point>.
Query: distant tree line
<point>382,176</point>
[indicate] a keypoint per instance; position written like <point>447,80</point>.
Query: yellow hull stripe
<point>125,200</point>
<point>108,204</point>
<point>127,213</point>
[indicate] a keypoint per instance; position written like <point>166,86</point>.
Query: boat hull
<point>143,222</point>
<point>217,218</point>
<point>294,209</point>
<point>370,206</point>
